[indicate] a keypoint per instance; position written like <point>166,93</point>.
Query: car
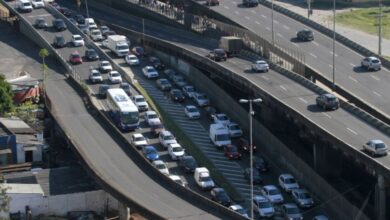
<point>201,99</point>
<point>37,3</point>
<point>263,206</point>
<point>221,118</point>
<point>179,81</point>
<point>188,164</point>
<point>371,63</point>
<point>328,101</point>
<point>260,66</point>
<point>156,129</point>
<point>212,2</point>
<point>40,23</point>
<point>138,140</point>
<point>104,29</point>
<point>170,73</point>
<point>114,77</point>
<point>96,35</point>
<point>210,111</point>
<point>376,147</point>
<point>302,198</point>
<point>126,87</point>
<point>161,166</point>
<point>84,28</point>
<point>132,60</point>
<point>150,153</point>
<point>95,76</point>
<point>109,33</point>
<point>192,112</point>
<point>75,58</point>
<point>305,35</point>
<point>59,41</point>
<point>24,6</point>
<point>290,211</point>
<point>90,54</point>
<point>234,130</point>
<point>239,209</point>
<point>287,182</point>
<point>66,12</point>
<point>59,24</point>
<point>250,3</point>
<point>176,151</point>
<point>176,95</point>
<point>150,72</point>
<point>244,145</point>
<point>105,66</point>
<point>272,193</point>
<point>80,19</point>
<point>320,217</point>
<point>138,51</point>
<point>217,55</point>
<point>77,40</point>
<point>166,138</point>
<point>257,179</point>
<point>91,23</point>
<point>140,102</point>
<point>260,164</point>
<point>156,62</point>
<point>230,151</point>
<point>164,84</point>
<point>102,92</point>
<point>178,180</point>
<point>219,195</point>
<point>151,118</point>
<point>189,91</point>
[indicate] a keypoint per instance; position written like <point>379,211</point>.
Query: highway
<point>372,87</point>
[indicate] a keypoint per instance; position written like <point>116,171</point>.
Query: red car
<point>244,145</point>
<point>231,152</point>
<point>75,58</point>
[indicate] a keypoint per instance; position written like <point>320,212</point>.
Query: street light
<point>272,22</point>
<point>334,45</point>
<point>86,6</point>
<point>251,113</point>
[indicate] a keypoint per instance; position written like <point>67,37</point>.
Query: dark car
<point>68,13</point>
<point>177,95</point>
<point>80,19</point>
<point>188,164</point>
<point>230,151</point>
<point>328,101</point>
<point>250,3</point>
<point>104,29</point>
<point>103,88</point>
<point>40,23</point>
<point>305,35</point>
<point>260,164</point>
<point>210,111</point>
<point>256,176</point>
<point>157,64</point>
<point>59,24</point>
<point>90,54</point>
<point>219,195</point>
<point>138,51</point>
<point>164,84</point>
<point>244,145</point>
<point>156,129</point>
<point>59,41</point>
<point>217,54</point>
<point>170,73</point>
<point>126,87</point>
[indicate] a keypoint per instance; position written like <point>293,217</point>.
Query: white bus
<point>122,110</point>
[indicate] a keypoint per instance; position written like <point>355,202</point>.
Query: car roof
<point>290,205</point>
<point>268,187</point>
<point>138,96</point>
<point>218,189</point>
<point>175,145</point>
<point>76,35</point>
<point>158,162</point>
<point>376,141</point>
<point>150,147</point>
<point>235,207</point>
<point>174,177</point>
<point>165,132</point>
<point>329,95</point>
<point>373,58</point>
<point>150,113</point>
<point>300,190</point>
<point>191,106</point>
<point>187,157</point>
<point>75,52</point>
<point>286,175</point>
<point>260,198</point>
<point>137,135</point>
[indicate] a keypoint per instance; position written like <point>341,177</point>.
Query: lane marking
<point>268,28</point>
<point>311,54</point>
<point>330,65</point>
<point>300,98</point>
<point>326,115</point>
<point>283,88</point>
<point>43,15</point>
<point>264,77</point>
<point>257,22</point>
<point>352,64</point>
<point>336,55</point>
<point>352,131</point>
<point>353,79</point>
<point>237,12</point>
<point>315,43</point>
<point>279,35</point>
<point>377,94</point>
<point>375,77</point>
<point>253,11</point>
<point>234,62</point>
<point>295,44</point>
<point>248,18</point>
<point>263,16</point>
<point>276,22</point>
<point>226,7</point>
<point>285,27</point>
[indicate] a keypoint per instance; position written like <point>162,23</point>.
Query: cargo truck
<point>118,44</point>
<point>232,45</point>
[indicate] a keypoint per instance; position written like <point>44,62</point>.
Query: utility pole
<point>143,33</point>
<point>334,45</point>
<point>86,6</point>
<point>380,29</point>
<point>272,23</point>
<point>308,8</point>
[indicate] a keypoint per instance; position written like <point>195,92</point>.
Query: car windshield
<point>75,55</point>
<point>60,39</point>
<point>222,137</point>
<point>152,116</point>
<point>177,149</point>
<point>222,196</point>
<point>91,52</point>
<point>95,74</point>
<point>380,145</point>
<point>241,211</point>
<point>164,82</point>
<point>205,179</point>
<point>168,137</point>
<point>331,99</point>
<point>125,86</point>
<point>290,180</point>
<point>179,79</point>
<point>139,49</point>
<point>190,89</point>
<point>190,162</point>
<point>293,210</point>
<point>192,109</point>
<point>308,32</point>
<point>232,149</point>
<point>104,28</point>
<point>77,38</point>
<point>179,182</point>
<point>140,99</point>
<point>59,22</point>
<point>96,32</point>
<point>176,92</point>
<point>375,61</point>
<point>219,52</point>
<point>139,139</point>
<point>304,195</point>
<point>130,117</point>
<point>150,151</point>
<point>202,97</point>
<point>264,205</point>
<point>26,4</point>
<point>150,70</point>
<point>161,166</point>
<point>273,192</point>
<point>222,117</point>
<point>234,127</point>
<point>122,47</point>
<point>115,75</point>
<point>133,58</point>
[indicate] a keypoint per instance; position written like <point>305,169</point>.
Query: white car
<point>178,180</point>
<point>371,63</point>
<point>96,35</point>
<point>191,112</point>
<point>263,206</point>
<point>138,140</point>
<point>105,66</point>
<point>260,66</point>
<point>320,217</point>
<point>38,3</point>
<point>91,23</point>
<point>114,77</point>
<point>152,118</point>
<point>150,72</point>
<point>77,40</point>
<point>287,182</point>
<point>161,166</point>
<point>239,209</point>
<point>272,193</point>
<point>234,130</point>
<point>221,118</point>
<point>176,151</point>
<point>140,102</point>
<point>95,76</point>
<point>201,99</point>
<point>166,138</point>
<point>376,148</point>
<point>132,60</point>
<point>189,91</point>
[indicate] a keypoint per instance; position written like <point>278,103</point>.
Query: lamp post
<point>86,6</point>
<point>272,22</point>
<point>380,29</point>
<point>334,45</point>
<point>251,113</point>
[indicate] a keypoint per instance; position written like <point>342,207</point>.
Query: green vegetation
<point>4,200</point>
<point>366,20</point>
<point>25,111</point>
<point>191,147</point>
<point>6,103</point>
<point>387,58</point>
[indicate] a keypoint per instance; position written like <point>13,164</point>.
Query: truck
<point>118,44</point>
<point>203,179</point>
<point>232,45</point>
<point>219,135</point>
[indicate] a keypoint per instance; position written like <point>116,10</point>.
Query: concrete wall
<point>20,153</point>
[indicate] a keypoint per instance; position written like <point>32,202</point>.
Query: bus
<point>122,110</point>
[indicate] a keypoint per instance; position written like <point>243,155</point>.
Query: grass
<point>387,58</point>
<point>191,147</point>
<point>366,20</point>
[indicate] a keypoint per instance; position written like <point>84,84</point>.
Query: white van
<point>90,23</point>
<point>25,6</point>
<point>219,135</point>
<point>203,179</point>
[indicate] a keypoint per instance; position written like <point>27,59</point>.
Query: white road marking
<point>234,62</point>
<point>237,12</point>
<point>352,64</point>
<point>44,15</point>
<point>315,43</point>
<point>353,79</point>
<point>326,115</point>
<point>253,11</point>
<point>279,35</point>
<point>226,7</point>
<point>247,18</point>
<point>331,52</point>
<point>375,77</point>
<point>295,44</point>
<point>352,131</point>
<point>276,22</point>
<point>302,100</point>
<point>330,65</point>
<point>263,16</point>
<point>283,88</point>
<point>285,27</point>
<point>268,28</point>
<point>264,77</point>
<point>377,94</point>
<point>311,54</point>
<point>257,22</point>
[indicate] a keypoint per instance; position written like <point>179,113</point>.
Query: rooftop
<point>16,126</point>
<point>17,188</point>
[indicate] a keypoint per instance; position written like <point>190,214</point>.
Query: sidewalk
<point>325,18</point>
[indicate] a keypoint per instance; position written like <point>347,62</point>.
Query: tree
<point>4,201</point>
<point>6,103</point>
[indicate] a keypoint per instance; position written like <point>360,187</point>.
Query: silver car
<point>302,198</point>
<point>291,211</point>
<point>376,148</point>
